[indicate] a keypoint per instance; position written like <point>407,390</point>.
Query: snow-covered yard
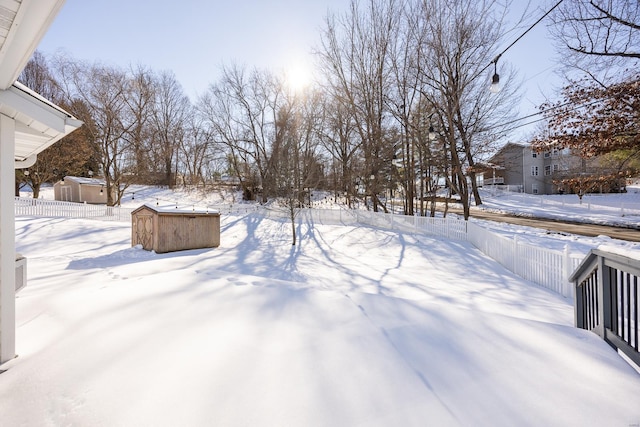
<point>354,326</point>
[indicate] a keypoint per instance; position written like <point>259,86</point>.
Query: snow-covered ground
<point>354,326</point>
<point>619,209</point>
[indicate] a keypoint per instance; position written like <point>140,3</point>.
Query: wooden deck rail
<point>606,302</point>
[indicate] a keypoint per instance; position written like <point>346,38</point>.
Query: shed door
<point>144,231</point>
<point>65,193</point>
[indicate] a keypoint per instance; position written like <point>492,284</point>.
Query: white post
<point>514,255</point>
<point>7,241</point>
<point>566,273</point>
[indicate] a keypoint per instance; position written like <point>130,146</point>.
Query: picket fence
<point>546,267</point>
<point>57,209</point>
<point>549,268</point>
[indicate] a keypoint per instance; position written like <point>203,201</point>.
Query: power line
<point>523,34</point>
<point>550,109</point>
<point>495,60</point>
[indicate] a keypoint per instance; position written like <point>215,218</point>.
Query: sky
<point>194,38</point>
<point>354,326</point>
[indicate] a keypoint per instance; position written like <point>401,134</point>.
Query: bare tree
<point>139,137</point>
<point>241,114</point>
<point>104,94</point>
<point>338,136</point>
<point>200,158</point>
<point>38,76</point>
<point>353,57</point>
<point>463,38</point>
<point>405,97</point>
<point>597,35</point>
<point>295,152</point>
<point>73,155</point>
<point>171,110</point>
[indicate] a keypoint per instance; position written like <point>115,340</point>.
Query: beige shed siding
<point>177,232</point>
<point>174,231</point>
<point>91,194</point>
<point>81,190</point>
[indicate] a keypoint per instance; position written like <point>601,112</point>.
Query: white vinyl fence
<point>546,267</point>
<point>58,209</point>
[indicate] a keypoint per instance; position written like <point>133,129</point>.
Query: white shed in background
<point>82,190</point>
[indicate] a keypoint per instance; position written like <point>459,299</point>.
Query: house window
<point>547,170</point>
<point>534,154</point>
<point>556,167</point>
<point>547,154</point>
<point>555,152</point>
<point>534,188</point>
<point>534,170</point>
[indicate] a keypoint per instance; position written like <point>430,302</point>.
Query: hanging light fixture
<point>495,81</point>
<point>432,133</point>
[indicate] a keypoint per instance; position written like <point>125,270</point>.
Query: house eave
<point>39,122</point>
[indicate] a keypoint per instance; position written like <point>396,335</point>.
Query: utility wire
<point>526,31</point>
<point>495,60</point>
<point>550,109</point>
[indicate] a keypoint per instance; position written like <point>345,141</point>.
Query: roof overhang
<point>39,123</point>
<point>22,26</point>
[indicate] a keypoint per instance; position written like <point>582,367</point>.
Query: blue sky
<point>193,38</point>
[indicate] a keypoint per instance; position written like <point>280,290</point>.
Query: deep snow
<point>354,326</point>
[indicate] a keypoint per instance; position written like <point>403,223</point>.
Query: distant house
<point>523,169</point>
<point>80,190</point>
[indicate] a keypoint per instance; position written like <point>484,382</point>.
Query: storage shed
<point>169,229</point>
<point>80,190</point>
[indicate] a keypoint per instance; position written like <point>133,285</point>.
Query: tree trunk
<point>292,212</point>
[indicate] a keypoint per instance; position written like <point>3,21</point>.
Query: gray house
<point>523,169</point>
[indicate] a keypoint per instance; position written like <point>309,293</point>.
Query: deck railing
<point>606,286</point>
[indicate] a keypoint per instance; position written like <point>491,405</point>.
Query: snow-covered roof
<point>173,210</point>
<point>85,181</point>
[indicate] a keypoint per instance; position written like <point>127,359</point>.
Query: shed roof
<point>172,210</point>
<point>86,181</point>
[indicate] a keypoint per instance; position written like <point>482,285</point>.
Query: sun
<point>298,77</point>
